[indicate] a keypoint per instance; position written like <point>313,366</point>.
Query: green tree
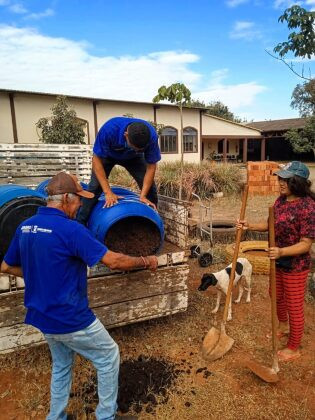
<point>301,41</point>
<point>63,127</point>
<point>303,140</point>
<point>303,98</point>
<point>218,109</point>
<point>179,94</point>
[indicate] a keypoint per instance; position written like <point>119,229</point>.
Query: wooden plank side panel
<point>12,310</point>
<point>21,336</point>
<point>170,258</point>
<point>108,290</point>
<point>150,307</point>
<point>18,337</point>
<point>137,285</point>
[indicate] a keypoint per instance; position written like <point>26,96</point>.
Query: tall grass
<point>202,179</point>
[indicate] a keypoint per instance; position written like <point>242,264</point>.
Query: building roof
<point>278,125</point>
<point>97,99</point>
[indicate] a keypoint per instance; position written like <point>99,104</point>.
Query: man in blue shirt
<point>128,142</point>
<point>51,252</point>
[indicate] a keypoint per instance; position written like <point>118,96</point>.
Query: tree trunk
<point>182,152</point>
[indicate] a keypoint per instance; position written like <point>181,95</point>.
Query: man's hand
<point>152,262</point>
<point>111,199</point>
<point>274,253</point>
<point>148,202</point>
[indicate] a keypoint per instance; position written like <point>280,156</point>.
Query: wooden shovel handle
<point>235,256</point>
<point>272,277</point>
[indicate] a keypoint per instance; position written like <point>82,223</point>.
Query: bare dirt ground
<point>228,391</point>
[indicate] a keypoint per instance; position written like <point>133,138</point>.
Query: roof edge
<point>96,99</point>
<point>233,122</point>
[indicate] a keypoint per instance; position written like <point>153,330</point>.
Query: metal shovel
<point>216,342</point>
<point>268,374</point>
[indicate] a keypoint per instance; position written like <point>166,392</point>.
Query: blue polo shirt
<point>53,252</point>
<point>111,142</point>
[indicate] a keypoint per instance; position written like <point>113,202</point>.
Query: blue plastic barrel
<point>17,203</point>
<point>128,212</point>
<point>41,188</point>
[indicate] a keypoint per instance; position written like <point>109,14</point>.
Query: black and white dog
<point>221,281</point>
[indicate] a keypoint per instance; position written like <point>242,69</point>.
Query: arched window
<point>190,140</point>
<point>169,140</point>
<point>220,146</point>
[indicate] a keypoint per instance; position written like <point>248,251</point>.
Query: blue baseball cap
<point>294,168</point>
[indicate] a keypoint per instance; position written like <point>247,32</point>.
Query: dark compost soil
<point>133,236</point>
<point>142,382</point>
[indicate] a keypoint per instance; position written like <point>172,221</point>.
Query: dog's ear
<point>205,282</point>
<point>204,277</point>
<point>213,280</point>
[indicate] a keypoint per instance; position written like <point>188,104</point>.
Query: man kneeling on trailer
<point>51,251</point>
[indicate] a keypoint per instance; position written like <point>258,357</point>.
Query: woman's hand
<point>242,224</point>
<point>274,253</point>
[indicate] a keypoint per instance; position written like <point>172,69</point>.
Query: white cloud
<point>236,97</point>
<point>46,13</point>
<point>17,8</point>
<point>284,4</point>
<point>245,30</point>
<point>311,3</point>
<point>32,61</point>
<point>235,3</point>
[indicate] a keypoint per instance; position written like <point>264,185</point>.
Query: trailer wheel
<point>194,251</point>
<point>205,259</point>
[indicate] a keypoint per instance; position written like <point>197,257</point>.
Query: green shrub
<point>202,179</point>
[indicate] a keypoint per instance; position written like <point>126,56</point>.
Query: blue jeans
<point>95,344</point>
<point>136,167</point>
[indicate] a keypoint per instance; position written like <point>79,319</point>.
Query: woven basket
<point>255,252</point>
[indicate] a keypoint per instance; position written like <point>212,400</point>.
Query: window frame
<point>160,140</point>
<point>197,141</point>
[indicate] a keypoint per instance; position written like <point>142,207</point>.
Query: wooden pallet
<point>29,164</point>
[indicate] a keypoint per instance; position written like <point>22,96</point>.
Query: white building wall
<point>30,108</point>
<point>107,110</point>
<point>170,116</point>
<point>6,131</point>
<point>220,127</point>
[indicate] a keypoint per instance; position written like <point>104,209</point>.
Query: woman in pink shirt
<point>294,231</point>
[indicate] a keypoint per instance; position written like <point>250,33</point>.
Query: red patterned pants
<point>290,303</point>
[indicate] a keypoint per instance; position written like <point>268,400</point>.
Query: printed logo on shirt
<point>34,229</point>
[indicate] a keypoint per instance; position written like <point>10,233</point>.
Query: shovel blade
<point>265,373</point>
<point>215,344</point>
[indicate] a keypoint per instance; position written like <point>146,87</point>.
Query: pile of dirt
<point>142,380</point>
<point>143,383</point>
<point>133,236</point>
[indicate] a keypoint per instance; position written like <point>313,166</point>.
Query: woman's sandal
<point>280,334</point>
<point>288,357</point>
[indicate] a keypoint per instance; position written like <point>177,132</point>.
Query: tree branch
<point>290,66</point>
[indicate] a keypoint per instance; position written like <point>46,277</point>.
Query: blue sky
<point>127,49</point>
